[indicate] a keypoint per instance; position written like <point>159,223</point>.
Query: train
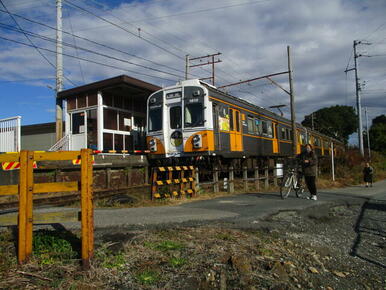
<point>195,121</point>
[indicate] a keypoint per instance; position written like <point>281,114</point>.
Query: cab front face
<point>179,120</point>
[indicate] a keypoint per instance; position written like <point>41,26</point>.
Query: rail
<point>27,188</point>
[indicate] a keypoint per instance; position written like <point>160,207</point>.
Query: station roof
<point>122,81</point>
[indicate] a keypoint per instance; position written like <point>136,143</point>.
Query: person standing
<point>309,161</point>
<point>368,173</point>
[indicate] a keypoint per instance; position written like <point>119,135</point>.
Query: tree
<point>378,134</point>
<point>336,121</point>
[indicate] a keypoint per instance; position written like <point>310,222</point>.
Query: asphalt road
<point>243,210</point>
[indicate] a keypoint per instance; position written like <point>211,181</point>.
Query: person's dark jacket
<point>308,168</point>
<point>368,174</point>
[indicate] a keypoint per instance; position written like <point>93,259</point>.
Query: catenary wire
<point>33,45</point>
<point>91,41</point>
<point>88,60</point>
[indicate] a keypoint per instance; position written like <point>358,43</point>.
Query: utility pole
<point>210,61</point>
<point>368,135</point>
<point>59,71</point>
<point>186,66</point>
<point>359,105</point>
<point>358,96</point>
<point>292,102</point>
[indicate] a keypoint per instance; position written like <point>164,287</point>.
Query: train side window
<point>264,127</point>
<point>283,137</point>
<point>231,119</point>
<point>237,121</point>
<point>258,126</point>
<point>251,125</point>
<point>269,129</point>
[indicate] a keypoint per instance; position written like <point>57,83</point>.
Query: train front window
<point>194,115</point>
<point>155,119</point>
<point>175,117</point>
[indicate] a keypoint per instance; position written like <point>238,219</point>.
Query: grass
<point>164,245</point>
<point>177,262</point>
<point>51,247</point>
<point>148,277</point>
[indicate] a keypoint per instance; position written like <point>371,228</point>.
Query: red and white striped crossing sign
<point>14,165</point>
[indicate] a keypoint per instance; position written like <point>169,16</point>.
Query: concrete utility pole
<point>359,105</point>
<point>186,66</point>
<point>368,135</point>
<point>292,102</point>
<point>59,70</point>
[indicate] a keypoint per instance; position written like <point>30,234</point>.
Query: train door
<point>173,130</point>
<point>216,127</point>
<point>235,130</point>
<point>275,143</point>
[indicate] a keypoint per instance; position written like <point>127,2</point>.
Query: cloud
<point>252,39</point>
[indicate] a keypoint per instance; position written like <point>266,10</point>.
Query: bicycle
<point>290,182</point>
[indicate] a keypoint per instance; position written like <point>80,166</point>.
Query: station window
<point>110,119</point>
<point>251,125</point>
<point>78,123</point>
<point>124,121</point>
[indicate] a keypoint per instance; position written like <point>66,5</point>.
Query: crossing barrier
<point>173,181</point>
<point>27,188</point>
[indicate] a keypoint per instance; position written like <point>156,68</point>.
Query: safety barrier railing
<point>173,181</point>
<point>10,136</point>
<point>27,188</point>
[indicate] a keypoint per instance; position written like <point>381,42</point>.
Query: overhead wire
<point>123,28</point>
<point>76,50</point>
<point>92,41</point>
<point>53,40</point>
<point>88,60</point>
<point>31,42</point>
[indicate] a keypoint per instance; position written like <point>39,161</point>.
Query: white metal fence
<point>10,134</point>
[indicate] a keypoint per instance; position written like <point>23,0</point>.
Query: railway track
<point>71,198</point>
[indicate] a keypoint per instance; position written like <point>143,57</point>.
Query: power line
<point>88,60</point>
<point>30,41</point>
<point>84,49</point>
<point>26,80</point>
<point>123,28</point>
<point>91,41</point>
<point>76,51</point>
<point>201,10</point>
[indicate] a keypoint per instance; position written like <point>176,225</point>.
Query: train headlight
<point>153,145</point>
<point>197,141</point>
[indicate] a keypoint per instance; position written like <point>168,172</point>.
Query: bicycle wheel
<point>299,190</point>
<point>286,186</point>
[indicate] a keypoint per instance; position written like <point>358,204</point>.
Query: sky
<point>148,40</point>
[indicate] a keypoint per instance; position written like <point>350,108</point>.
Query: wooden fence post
<point>25,221</point>
<point>231,182</point>
<point>215,180</point>
<point>256,176</point>
<point>146,175</point>
<point>87,208</point>
<point>153,182</point>
<point>108,177</point>
<point>266,178</point>
<point>245,178</point>
<point>197,179</point>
